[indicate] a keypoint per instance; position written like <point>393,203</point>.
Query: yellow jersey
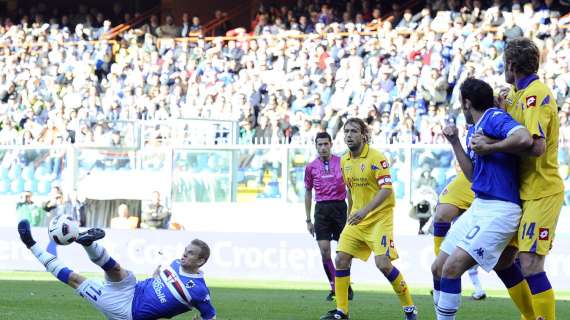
<point>531,103</point>
<point>365,176</point>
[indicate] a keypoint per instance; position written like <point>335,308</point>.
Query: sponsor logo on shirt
<point>543,234</point>
<point>531,101</point>
<point>157,285</point>
<point>385,180</point>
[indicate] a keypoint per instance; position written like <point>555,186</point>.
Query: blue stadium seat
<point>31,185</point>
<point>28,172</point>
<point>41,171</point>
<point>15,171</point>
<point>4,186</point>
<point>44,186</point>
<point>4,172</point>
<point>17,186</point>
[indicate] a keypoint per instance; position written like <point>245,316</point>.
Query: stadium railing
<point>210,172</point>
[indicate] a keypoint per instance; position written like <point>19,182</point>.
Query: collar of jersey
<point>190,275</point>
<point>476,127</point>
<point>525,82</point>
<point>363,154</point>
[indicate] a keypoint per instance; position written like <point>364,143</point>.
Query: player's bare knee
<point>507,258</point>
<point>531,263</point>
<point>436,269</point>
<point>451,269</point>
<point>342,261</point>
<point>75,280</point>
<point>445,213</point>
<point>116,273</point>
<point>383,264</point>
<point>325,254</point>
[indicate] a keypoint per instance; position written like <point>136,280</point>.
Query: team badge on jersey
<point>374,167</point>
<point>543,234</point>
<point>480,252</point>
<point>531,101</point>
<point>384,164</point>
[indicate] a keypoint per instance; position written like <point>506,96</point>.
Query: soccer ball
<point>63,229</point>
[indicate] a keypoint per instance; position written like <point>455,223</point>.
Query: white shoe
<point>479,295</point>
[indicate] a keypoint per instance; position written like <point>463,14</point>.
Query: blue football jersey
<point>495,176</point>
<point>171,293</point>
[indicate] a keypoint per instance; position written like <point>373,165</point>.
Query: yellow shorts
<point>458,192</point>
<point>360,241</point>
<point>538,223</point>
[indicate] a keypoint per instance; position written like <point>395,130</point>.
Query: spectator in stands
<point>196,27</point>
<point>76,208</point>
<point>155,215</point>
<point>426,180</point>
<point>168,29</point>
<point>185,28</point>
<point>124,220</point>
<point>27,209</point>
<point>56,205</point>
<point>129,81</point>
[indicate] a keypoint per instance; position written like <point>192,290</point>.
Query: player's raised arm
<point>450,132</point>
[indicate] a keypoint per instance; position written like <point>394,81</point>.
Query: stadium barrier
<point>254,256</point>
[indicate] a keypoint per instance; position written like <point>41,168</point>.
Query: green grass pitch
<point>36,295</point>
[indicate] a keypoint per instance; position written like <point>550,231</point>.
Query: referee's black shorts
<point>330,218</point>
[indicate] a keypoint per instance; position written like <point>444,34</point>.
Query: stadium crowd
<point>283,86</point>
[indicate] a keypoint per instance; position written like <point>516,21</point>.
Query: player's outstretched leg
<point>479,293</point>
<point>99,255</point>
<point>50,262</point>
<point>398,284</point>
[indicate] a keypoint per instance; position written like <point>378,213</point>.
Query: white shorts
<point>484,231</point>
<point>113,299</point>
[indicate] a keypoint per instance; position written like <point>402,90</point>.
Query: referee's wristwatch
<point>308,221</point>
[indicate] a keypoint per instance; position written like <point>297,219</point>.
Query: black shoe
<point>350,293</point>
<point>26,233</point>
<point>88,237</point>
<point>331,296</point>
<point>334,315</point>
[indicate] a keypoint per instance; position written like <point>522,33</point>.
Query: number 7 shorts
<point>113,299</point>
<point>484,231</point>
